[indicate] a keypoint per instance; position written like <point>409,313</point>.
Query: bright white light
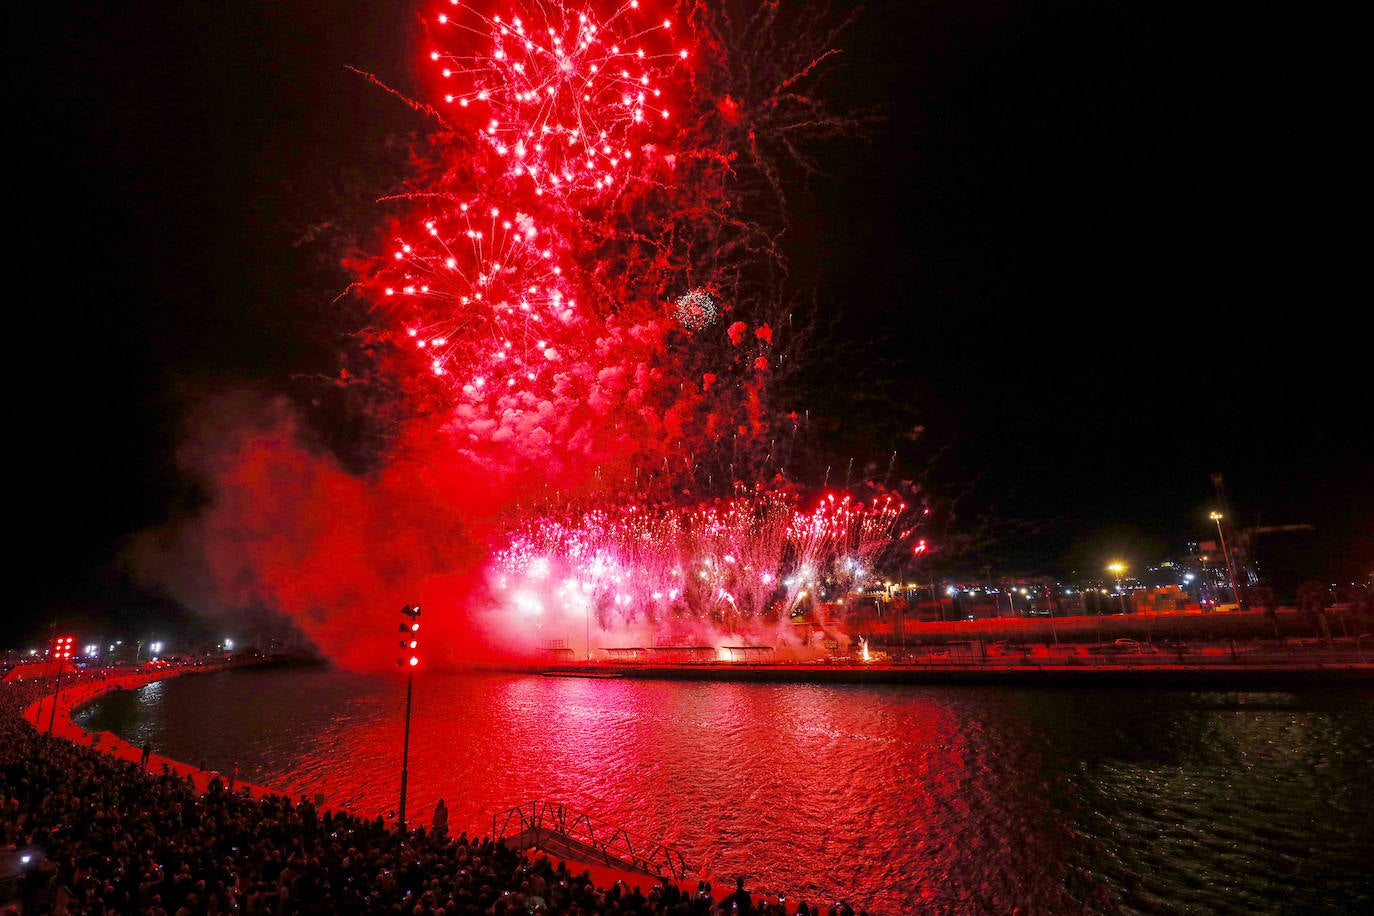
<point>528,603</point>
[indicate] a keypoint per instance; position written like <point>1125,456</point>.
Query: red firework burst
<point>566,97</point>
<point>481,295</point>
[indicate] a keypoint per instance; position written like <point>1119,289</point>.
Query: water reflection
<point>902,799</point>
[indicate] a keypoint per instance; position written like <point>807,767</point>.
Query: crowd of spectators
<point>83,833</point>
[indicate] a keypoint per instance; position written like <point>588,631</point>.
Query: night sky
<point>1096,252</point>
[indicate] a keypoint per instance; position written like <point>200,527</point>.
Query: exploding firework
<point>565,97</point>
<point>695,310</point>
<point>481,298</point>
<point>738,564</point>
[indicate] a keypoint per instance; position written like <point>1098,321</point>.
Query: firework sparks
<point>482,297</point>
<point>736,562</point>
<point>695,310</point>
<point>562,95</point>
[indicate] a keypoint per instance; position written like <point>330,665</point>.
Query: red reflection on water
<point>893,798</point>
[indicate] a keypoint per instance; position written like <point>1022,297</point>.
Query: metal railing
<point>545,824</point>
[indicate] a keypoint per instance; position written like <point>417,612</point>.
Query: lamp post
<point>409,659</point>
<point>62,650</point>
<point>1050,599</point>
<point>1230,572</point>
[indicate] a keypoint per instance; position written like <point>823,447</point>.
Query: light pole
<point>410,659</point>
<point>1050,599</point>
<point>62,650</point>
<point>1231,573</point>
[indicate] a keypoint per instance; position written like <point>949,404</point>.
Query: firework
<point>736,562</point>
<point>563,95</point>
<point>481,297</point>
<point>528,284</point>
<point>695,310</point>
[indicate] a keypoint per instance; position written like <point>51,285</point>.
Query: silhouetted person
<point>147,753</point>
<point>439,825</point>
<point>740,901</point>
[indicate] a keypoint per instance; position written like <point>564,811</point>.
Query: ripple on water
<point>900,799</point>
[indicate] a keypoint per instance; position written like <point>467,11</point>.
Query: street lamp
<point>1231,573</point>
<point>410,659</point>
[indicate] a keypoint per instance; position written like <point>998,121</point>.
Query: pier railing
<point>562,831</point>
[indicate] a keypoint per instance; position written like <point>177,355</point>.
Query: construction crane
<point>1241,538</point>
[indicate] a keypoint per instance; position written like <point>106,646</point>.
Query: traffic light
<point>410,645</point>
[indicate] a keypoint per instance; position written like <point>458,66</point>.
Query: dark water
<point>900,799</point>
